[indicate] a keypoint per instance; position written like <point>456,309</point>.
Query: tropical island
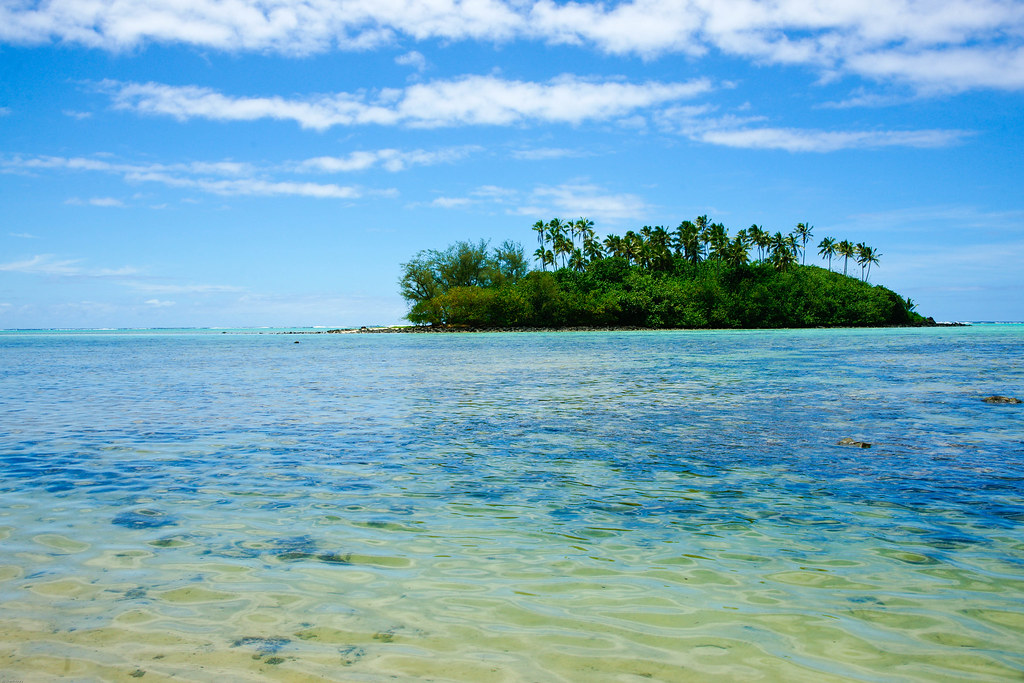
<point>695,276</point>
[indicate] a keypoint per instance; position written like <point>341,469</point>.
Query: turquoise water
<point>512,507</point>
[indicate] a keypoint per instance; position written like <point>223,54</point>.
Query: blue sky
<point>271,162</point>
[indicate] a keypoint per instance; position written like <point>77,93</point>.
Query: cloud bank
<point>932,45</point>
<point>469,100</point>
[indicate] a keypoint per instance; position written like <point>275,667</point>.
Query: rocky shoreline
<point>458,329</point>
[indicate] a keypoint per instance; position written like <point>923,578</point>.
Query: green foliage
<point>441,285</point>
<point>693,277</point>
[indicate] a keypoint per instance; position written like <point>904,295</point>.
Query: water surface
<point>512,507</point>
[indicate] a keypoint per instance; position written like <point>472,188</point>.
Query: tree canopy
<point>693,276</point>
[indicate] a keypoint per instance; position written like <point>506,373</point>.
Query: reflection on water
<point>606,506</point>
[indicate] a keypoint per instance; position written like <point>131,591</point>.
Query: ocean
<point>601,506</point>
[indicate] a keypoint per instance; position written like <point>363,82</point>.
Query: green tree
<point>803,232</point>
<point>781,251</point>
<point>865,257</point>
<point>827,249</point>
<point>689,241</point>
<point>760,238</point>
<point>510,264</point>
<point>846,250</point>
<point>540,227</point>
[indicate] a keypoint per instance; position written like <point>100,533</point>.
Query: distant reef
<point>693,277</point>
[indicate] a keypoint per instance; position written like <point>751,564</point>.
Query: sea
<point>248,505</point>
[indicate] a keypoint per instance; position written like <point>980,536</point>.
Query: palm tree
<point>782,251</point>
<point>560,241</point>
<point>846,250</point>
<point>540,254</point>
<point>580,228</point>
<point>613,246</point>
<point>865,257</point>
<point>739,249</point>
<point>857,248</point>
<point>632,246</point>
<point>718,241</point>
<point>827,249</point>
<point>793,246</point>
<point>689,241</point>
<point>760,238</point>
<point>702,233</point>
<point>661,248</point>
<point>803,231</point>
<point>541,229</point>
<point>591,246</point>
<point>576,260</point>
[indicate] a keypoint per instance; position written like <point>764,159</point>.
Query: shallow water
<point>512,507</point>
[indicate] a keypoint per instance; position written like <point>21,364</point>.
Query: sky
<point>238,163</point>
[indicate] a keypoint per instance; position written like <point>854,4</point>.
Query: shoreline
<point>466,329</point>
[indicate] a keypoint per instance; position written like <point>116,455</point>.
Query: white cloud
<point>225,178</point>
<point>452,202</point>
<point>42,264</point>
<point>393,160</point>
<point>105,201</point>
<point>157,303</point>
<point>251,186</point>
<point>801,140</point>
<point>5,111</point>
<point>749,132</point>
<point>161,288</point>
<point>470,100</point>
<point>945,70</point>
<point>48,264</point>
<point>413,59</point>
<point>545,154</point>
<point>585,200</point>
<point>570,199</point>
<point>23,235</point>
<point>936,45</point>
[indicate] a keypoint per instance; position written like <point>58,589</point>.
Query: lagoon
<point>609,506</point>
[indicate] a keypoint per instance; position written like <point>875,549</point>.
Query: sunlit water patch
<point>512,507</point>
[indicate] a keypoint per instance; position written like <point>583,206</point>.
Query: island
<point>695,276</point>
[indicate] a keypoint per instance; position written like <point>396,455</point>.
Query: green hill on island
<point>695,276</point>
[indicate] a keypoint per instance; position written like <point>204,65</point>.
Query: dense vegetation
<point>694,276</point>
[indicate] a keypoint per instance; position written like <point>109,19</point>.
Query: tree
<point>857,249</point>
<point>846,250</point>
<point>689,241</point>
<point>760,238</point>
<point>591,247</point>
<point>739,249</point>
<point>581,227</point>
<point>803,233</point>
<point>702,233</point>
<point>632,245</point>
<point>614,246</point>
<point>509,263</point>
<point>781,251</point>
<point>865,257</point>
<point>559,243</point>
<point>827,249</point>
<point>431,274</point>
<point>718,242</point>
<point>541,229</point>
<point>576,260</point>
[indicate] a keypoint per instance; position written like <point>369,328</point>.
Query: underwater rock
<point>143,518</point>
<point>1000,399</point>
<point>847,441</point>
<point>263,646</point>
